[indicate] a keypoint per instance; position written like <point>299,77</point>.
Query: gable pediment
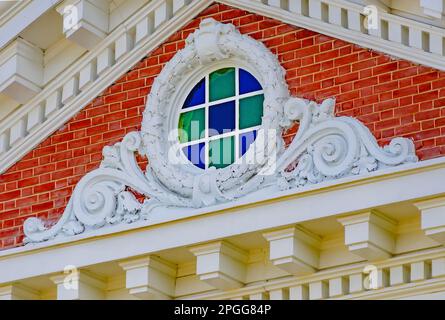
<point>74,88</point>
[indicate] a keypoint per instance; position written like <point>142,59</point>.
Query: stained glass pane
<point>222,152</point>
<point>192,125</point>
<point>245,140</point>
<point>222,84</point>
<point>250,111</point>
<point>196,96</point>
<point>247,82</point>
<point>221,118</point>
<point>196,154</point>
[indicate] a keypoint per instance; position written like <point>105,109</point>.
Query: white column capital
<point>221,264</point>
<point>295,250</point>
<point>150,278</point>
<point>369,235</point>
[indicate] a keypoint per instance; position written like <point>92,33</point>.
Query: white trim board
<point>283,209</point>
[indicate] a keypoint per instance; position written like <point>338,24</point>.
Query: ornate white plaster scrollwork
<point>325,147</point>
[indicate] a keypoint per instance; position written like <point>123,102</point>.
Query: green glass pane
<point>191,125</point>
<point>222,152</point>
<point>222,84</point>
<point>250,111</point>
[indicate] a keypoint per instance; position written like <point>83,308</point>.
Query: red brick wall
<point>391,96</point>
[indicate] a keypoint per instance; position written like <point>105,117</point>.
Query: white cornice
<point>412,51</point>
<point>350,194</point>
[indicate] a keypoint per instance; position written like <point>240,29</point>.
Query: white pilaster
<point>18,131</point>
<point>415,38</point>
<point>437,44</point>
<point>369,235</point>
<point>354,20</point>
<point>300,292</point>
<point>399,275</point>
<point>438,267</point>
<point>259,296</point>
<point>150,278</point>
<point>335,15</point>
<point>295,6</point>
<point>318,290</point>
<point>53,103</point>
<point>79,285</point>
<point>85,22</point>
<point>394,32</point>
<point>144,28</point>
<point>70,89</point>
<point>221,264</point>
<point>294,250</point>
<point>87,75</point>
<point>162,13</point>
<point>356,283</point>
<point>420,271</point>
<point>105,60</point>
<point>35,117</point>
<point>338,286</point>
<point>315,9</point>
<point>433,218</point>
<point>123,44</point>
<point>279,294</point>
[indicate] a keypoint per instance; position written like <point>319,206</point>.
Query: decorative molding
<point>150,278</point>
<point>325,148</point>
<point>433,218</point>
<point>85,22</point>
<point>295,250</point>
<point>369,235</point>
<point>108,69</point>
<point>221,265</point>
<point>21,70</point>
<point>351,282</point>
<point>424,43</point>
<point>79,285</point>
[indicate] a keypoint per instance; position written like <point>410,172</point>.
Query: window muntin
<point>220,117</point>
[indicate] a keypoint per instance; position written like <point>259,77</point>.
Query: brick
<point>425,77</point>
<point>428,96</point>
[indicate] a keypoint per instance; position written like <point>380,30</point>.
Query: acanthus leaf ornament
<point>325,147</point>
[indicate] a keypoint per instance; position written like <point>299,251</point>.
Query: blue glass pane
<point>196,154</point>
<point>221,118</point>
<point>245,140</point>
<point>196,96</point>
<point>247,82</point>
